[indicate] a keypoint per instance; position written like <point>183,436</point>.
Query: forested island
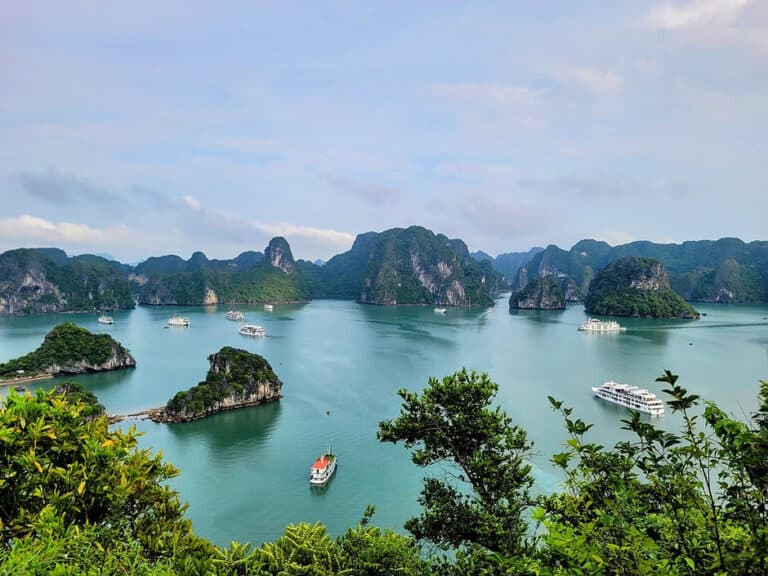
<point>636,287</point>
<point>236,379</point>
<point>70,349</point>
<point>400,266</point>
<point>541,293</point>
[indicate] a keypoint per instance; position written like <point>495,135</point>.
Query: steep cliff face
<point>541,293</point>
<point>35,281</point>
<point>278,254</point>
<point>415,266</point>
<point>637,287</point>
<point>236,379</point>
<point>249,278</point>
<point>70,349</point>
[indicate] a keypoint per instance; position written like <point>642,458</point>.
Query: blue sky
<point>146,128</point>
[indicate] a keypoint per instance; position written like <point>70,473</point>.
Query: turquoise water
<point>245,472</point>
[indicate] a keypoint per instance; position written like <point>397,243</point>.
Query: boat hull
<point>324,479</point>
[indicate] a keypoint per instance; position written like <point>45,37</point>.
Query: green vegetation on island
<point>637,287</point>
<point>70,349</point>
<point>43,280</point>
<point>541,293</point>
<point>726,270</point>
<point>236,378</point>
<point>79,498</point>
<point>411,266</point>
<point>249,278</point>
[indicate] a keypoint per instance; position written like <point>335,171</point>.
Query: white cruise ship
<point>252,330</point>
<point>178,321</point>
<point>268,307</point>
<point>632,397</point>
<point>595,325</point>
<point>106,319</point>
<point>234,315</point>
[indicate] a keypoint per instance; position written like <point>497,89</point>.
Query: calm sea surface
<point>245,473</point>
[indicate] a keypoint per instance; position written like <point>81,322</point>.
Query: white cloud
<point>31,229</point>
<point>334,237</point>
<point>192,202</point>
<point>694,13</point>
<point>599,82</point>
<point>616,237</point>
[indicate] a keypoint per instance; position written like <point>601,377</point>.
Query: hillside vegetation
<point>69,348</point>
<point>726,270</point>
<point>637,287</point>
<point>42,280</point>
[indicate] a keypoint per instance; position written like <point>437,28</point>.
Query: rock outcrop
<point>278,254</point>
<point>36,281</point>
<point>70,349</point>
<point>637,287</point>
<point>236,379</point>
<point>541,293</point>
<point>249,278</point>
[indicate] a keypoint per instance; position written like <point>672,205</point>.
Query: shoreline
<point>25,379</point>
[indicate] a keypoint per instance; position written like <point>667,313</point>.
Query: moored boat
<point>105,319</point>
<point>178,321</point>
<point>595,325</point>
<point>234,315</point>
<point>252,330</point>
<point>323,468</point>
<point>268,307</point>
<point>632,397</point>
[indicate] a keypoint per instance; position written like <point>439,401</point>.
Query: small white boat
<point>252,330</point>
<point>268,307</point>
<point>595,325</point>
<point>323,468</point>
<point>178,321</point>
<point>440,310</point>
<point>105,319</point>
<point>631,397</point>
<point>234,315</point>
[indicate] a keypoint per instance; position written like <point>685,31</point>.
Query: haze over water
<point>245,472</point>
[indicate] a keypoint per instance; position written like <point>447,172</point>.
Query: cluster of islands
<point>411,266</point>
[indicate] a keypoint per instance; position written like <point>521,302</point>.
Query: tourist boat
<point>105,320</point>
<point>323,468</point>
<point>440,310</point>
<point>252,330</point>
<point>631,397</point>
<point>178,321</point>
<point>234,315</point>
<point>595,325</point>
<point>268,307</point>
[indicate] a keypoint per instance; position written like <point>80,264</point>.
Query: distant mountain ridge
<point>401,265</point>
<point>726,270</point>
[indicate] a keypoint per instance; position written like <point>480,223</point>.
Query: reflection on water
<point>242,428</point>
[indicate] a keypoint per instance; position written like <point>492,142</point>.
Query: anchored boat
<point>323,468</point>
<point>234,315</point>
<point>595,325</point>
<point>178,321</point>
<point>252,330</point>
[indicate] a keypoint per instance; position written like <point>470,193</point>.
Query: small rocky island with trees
<point>70,349</point>
<point>542,293</point>
<point>636,287</point>
<point>236,379</point>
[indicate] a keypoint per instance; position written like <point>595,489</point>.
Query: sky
<point>146,128</point>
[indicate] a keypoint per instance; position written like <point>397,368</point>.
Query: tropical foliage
<point>78,498</point>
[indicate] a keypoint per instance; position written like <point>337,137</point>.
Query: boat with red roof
<point>323,468</point>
